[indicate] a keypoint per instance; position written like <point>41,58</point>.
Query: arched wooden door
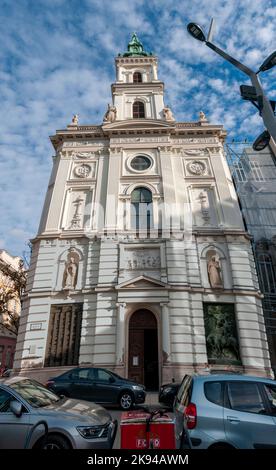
<point>143,349</point>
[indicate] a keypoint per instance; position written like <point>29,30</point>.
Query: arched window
<point>141,209</point>
<point>267,276</point>
<point>138,109</point>
<point>137,77</point>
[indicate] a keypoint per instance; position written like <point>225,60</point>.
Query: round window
<point>140,163</point>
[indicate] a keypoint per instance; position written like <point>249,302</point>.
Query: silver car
<point>226,411</point>
<point>31,416</point>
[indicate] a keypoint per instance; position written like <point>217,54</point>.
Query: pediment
<point>142,282</point>
<point>128,124</point>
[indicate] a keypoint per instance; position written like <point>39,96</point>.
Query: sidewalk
<point>152,399</point>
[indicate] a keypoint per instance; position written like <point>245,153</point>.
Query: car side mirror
<point>111,380</point>
<point>16,407</point>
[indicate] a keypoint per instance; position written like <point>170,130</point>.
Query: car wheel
<point>126,401</point>
<point>55,442</point>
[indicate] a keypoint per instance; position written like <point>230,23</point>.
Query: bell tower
<point>137,92</point>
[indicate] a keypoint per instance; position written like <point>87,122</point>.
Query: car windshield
<point>34,393</point>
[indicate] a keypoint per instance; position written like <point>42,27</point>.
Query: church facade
<point>141,264</point>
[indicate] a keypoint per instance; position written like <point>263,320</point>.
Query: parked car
<point>226,411</point>
<point>71,424</point>
<point>168,393</point>
<point>98,385</point>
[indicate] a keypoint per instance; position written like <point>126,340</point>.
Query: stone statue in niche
<point>214,272</point>
<point>168,115</point>
<point>110,115</point>
<point>70,275</point>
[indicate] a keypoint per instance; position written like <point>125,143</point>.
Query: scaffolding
<point>254,176</point>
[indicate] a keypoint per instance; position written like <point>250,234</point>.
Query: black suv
<point>99,386</point>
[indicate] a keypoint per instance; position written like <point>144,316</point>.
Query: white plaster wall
<point>176,262</point>
<point>88,329</point>
<point>55,208</point>
<point>251,332</point>
<point>187,328</point>
<point>242,267</point>
<point>35,310</point>
<point>105,327</point>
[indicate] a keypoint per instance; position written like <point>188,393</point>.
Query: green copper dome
<point>135,48</point>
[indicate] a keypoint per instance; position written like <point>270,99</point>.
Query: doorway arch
<point>143,366</point>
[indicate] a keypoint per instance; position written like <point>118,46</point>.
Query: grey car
<point>226,411</point>
<point>64,423</point>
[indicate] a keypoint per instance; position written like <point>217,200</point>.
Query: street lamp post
<point>264,104</point>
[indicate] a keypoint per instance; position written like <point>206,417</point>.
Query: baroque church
<point>142,264</point>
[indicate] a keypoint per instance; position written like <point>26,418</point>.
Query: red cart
<point>147,430</point>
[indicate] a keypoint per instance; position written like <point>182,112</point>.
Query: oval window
<point>140,163</point>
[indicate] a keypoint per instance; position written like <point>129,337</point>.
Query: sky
<point>57,59</point>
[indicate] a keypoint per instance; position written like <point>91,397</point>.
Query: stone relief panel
<point>133,140</point>
<point>196,140</point>
<point>77,206</point>
<point>77,209</point>
<point>95,142</point>
<point>197,167</point>
<point>142,259</point>
<point>84,171</point>
<point>221,334</point>
<point>203,206</point>
<point>83,155</point>
<point>195,152</point>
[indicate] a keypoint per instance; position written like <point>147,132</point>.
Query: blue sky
<point>57,59</point>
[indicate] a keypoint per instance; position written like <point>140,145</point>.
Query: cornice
<point>136,60</point>
<point>186,130</point>
<point>168,287</point>
<point>157,84</point>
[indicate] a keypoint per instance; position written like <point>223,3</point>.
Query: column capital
<point>121,304</point>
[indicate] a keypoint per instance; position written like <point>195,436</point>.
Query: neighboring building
<point>141,263</point>
<point>10,307</point>
<point>254,174</point>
